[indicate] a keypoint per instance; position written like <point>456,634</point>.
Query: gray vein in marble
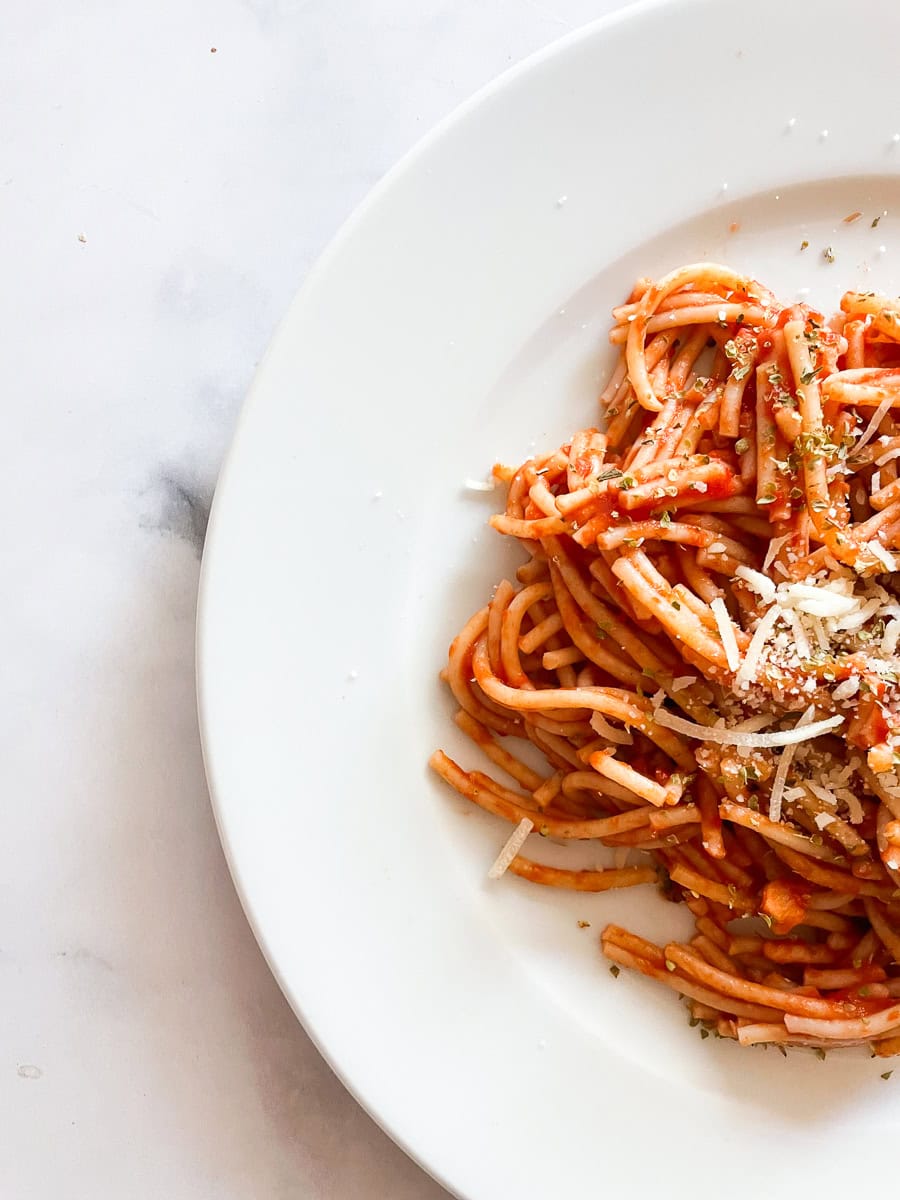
<point>183,510</point>
<point>82,955</point>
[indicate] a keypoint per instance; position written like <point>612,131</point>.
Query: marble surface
<point>168,173</point>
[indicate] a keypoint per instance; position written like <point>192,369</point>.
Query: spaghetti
<point>703,645</point>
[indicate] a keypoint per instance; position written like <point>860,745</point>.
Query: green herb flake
<point>614,971</point>
<point>820,1053</point>
<point>886,1074</point>
<point>804,245</point>
<point>742,445</point>
<point>670,966</point>
<point>828,254</point>
<point>704,1033</point>
<point>611,473</point>
<point>809,376</point>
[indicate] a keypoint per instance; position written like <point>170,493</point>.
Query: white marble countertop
<point>168,174</point>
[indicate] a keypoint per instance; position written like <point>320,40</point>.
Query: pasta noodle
<point>702,644</point>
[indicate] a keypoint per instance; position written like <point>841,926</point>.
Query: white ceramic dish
<point>460,317</point>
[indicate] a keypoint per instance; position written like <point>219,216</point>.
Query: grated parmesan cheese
<point>736,737</point>
<point>513,845</point>
<point>887,560</point>
<point>855,810</point>
<point>891,636</point>
<point>774,549</point>
<point>819,634</point>
<point>801,641</point>
<point>600,725</point>
<point>756,582</point>
<point>857,619</point>
<point>802,727</point>
<point>479,485</point>
<point>872,428</point>
<point>726,632</point>
<point>823,820</point>
<point>849,688</point>
<point>748,668</point>
<point>680,682</point>
<point>820,601</point>
<point>822,793</point>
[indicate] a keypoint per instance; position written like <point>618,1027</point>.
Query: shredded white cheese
<point>872,428</point>
<point>803,728</point>
<point>855,810</point>
<point>887,560</point>
<point>737,737</point>
<point>513,845</point>
<point>480,485</point>
<point>822,793</point>
<point>600,725</point>
<point>726,632</point>
<point>857,619</point>
<point>747,672</point>
<point>849,688</point>
<point>760,721</point>
<point>819,634</point>
<point>756,582</point>
<point>680,682</point>
<point>822,601</point>
<point>774,548</point>
<point>801,641</point>
<point>824,819</point>
<point>884,666</point>
<point>891,636</point>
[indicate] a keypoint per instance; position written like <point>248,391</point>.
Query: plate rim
<point>631,11</point>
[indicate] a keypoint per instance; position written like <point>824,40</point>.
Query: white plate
<point>460,317</point>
